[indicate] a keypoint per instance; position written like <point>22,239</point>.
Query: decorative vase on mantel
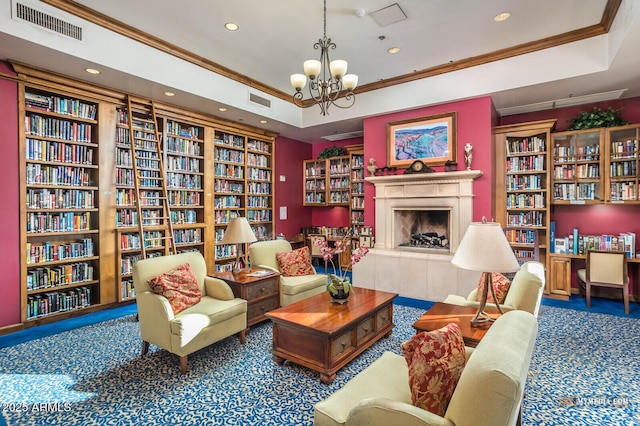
<point>338,288</point>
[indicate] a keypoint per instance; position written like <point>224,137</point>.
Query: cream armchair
<point>525,292</point>
<point>292,289</point>
<point>218,314</point>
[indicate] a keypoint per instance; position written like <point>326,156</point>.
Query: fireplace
<point>414,212</point>
<point>422,229</point>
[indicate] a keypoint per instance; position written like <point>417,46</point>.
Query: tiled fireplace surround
<point>412,272</point>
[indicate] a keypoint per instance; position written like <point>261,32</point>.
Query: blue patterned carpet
<point>585,371</point>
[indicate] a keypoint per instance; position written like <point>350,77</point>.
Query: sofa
<point>216,316</point>
<point>525,292</point>
<point>489,391</point>
<point>292,289</point>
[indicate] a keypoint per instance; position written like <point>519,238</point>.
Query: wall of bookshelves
<point>60,222</point>
<point>79,213</point>
<point>622,158</point>
<point>315,182</point>
<point>356,206</point>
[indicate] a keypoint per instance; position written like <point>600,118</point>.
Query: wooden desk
<point>559,274</point>
<point>325,336</point>
<point>262,293</point>
<point>442,314</point>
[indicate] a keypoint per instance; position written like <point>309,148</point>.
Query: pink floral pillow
<point>501,286</point>
<point>179,286</point>
<point>436,360</point>
<point>295,262</point>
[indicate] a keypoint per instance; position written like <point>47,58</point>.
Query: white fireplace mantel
<point>422,275</point>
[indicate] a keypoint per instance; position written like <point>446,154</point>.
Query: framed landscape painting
<point>429,139</point>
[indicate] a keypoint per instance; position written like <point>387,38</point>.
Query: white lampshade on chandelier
<point>328,80</point>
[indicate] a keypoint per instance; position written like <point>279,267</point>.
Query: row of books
<point>126,262</point>
<point>623,191</point>
<point>315,185</point>
<point>261,232</point>
<point>45,198</point>
<point>184,198</point>
<point>261,146</point>
<point>531,218</point>
<point>235,141</point>
<point>258,174</point>
<point>258,160</point>
<point>181,180</point>
<point>229,155</point>
<point>259,216</point>
<point>564,153</point>
<point>624,149</point>
<point>262,188</point>
<point>225,251</point>
<point>58,222</point>
<point>579,244</point>
<point>72,107</point>
<point>56,276</point>
<point>48,127</point>
<point>183,164</point>
<point>527,163</point>
<point>256,201</point>
<point>186,216</point>
<point>581,171</point>
<point>127,291</point>
<point>177,146</point>
<point>228,171</point>
<point>623,168</point>
<point>524,182</point>
<point>41,305</point>
<point>227,202</point>
<point>223,185</point>
<point>61,152</point>
<point>187,236</point>
<point>528,201</point>
<point>38,174</point>
<point>51,252</point>
<point>580,191</point>
<point>182,130</point>
<point>522,145</point>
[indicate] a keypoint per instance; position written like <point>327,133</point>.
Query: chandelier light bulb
<point>298,81</point>
<point>312,68</point>
<point>338,68</point>
<point>350,81</point>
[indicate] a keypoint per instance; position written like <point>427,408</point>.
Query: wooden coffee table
<point>325,336</point>
<point>442,314</point>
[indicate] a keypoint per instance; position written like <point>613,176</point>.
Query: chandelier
<point>328,80</point>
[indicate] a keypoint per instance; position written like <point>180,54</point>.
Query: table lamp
<point>485,248</point>
<point>238,232</point>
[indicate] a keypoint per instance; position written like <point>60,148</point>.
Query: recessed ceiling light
<point>501,16</point>
<point>92,71</point>
<point>231,26</point>
<point>222,109</point>
<point>169,94</point>
<point>263,121</point>
<point>393,50</point>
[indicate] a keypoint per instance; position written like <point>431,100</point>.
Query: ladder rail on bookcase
<point>163,199</point>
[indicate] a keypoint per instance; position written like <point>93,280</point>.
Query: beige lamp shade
<point>238,231</point>
<point>485,248</point>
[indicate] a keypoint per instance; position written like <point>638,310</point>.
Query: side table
<point>442,314</point>
<point>259,287</point>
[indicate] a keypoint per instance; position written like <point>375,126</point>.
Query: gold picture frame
<point>431,140</point>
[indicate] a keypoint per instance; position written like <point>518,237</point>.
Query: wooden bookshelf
<point>339,181</point>
<point>522,187</point>
<point>259,187</point>
<point>60,215</point>
<point>356,206</point>
<point>577,167</point>
<point>315,179</point>
<point>622,162</point>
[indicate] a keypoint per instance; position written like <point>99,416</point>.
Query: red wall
<point>474,120</point>
<point>9,213</point>
<point>288,162</point>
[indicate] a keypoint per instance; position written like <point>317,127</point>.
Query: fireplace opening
<point>426,229</point>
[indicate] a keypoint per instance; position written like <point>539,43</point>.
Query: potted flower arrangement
<point>339,285</point>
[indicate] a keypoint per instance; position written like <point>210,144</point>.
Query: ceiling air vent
<point>341,136</point>
<point>259,100</point>
<point>48,22</point>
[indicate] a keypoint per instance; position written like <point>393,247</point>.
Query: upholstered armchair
<point>215,316</point>
<point>525,292</point>
<point>292,288</point>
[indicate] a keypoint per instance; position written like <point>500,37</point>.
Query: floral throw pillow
<point>295,262</point>
<point>501,286</point>
<point>179,286</point>
<point>436,360</point>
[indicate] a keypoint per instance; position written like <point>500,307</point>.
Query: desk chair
<point>606,269</point>
<point>314,248</point>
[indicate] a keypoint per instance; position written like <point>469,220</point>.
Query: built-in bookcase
<point>229,158</point>
<point>356,207</point>
<point>315,182</point>
<point>577,167</point>
<point>523,187</point>
<point>339,181</point>
<point>184,160</point>
<point>60,219</point>
<point>259,187</point>
<point>622,165</point>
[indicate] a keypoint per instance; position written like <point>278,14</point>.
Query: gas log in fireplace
<point>422,229</point>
